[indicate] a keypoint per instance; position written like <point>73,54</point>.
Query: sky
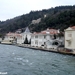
<point>12,8</point>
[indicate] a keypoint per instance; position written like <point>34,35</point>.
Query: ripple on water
<point>18,58</point>
<point>13,53</point>
<point>24,61</point>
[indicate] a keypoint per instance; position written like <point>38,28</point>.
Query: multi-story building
<point>12,38</point>
<point>18,38</point>
<point>70,38</point>
<point>45,38</point>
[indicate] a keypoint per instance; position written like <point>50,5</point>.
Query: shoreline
<point>41,49</point>
<point>48,50</point>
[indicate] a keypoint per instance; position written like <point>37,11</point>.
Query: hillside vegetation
<point>59,17</point>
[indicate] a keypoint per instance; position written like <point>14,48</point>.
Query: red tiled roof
<point>13,34</point>
<point>73,27</point>
<point>48,31</point>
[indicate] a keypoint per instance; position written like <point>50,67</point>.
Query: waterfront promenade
<point>61,51</point>
<point>45,49</point>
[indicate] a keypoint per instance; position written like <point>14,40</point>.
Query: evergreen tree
<point>26,40</point>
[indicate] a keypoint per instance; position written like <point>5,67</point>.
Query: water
<point>23,61</point>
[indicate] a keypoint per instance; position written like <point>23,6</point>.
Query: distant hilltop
<point>60,17</point>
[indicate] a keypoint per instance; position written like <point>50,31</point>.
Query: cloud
<point>13,8</point>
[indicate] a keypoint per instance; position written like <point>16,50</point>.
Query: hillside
<point>59,17</point>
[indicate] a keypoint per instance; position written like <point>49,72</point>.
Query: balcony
<point>68,38</point>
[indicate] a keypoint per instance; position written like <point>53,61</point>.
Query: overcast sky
<point>12,8</point>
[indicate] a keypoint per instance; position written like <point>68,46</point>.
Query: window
<point>32,36</point>
<point>44,43</point>
<point>36,36</point>
<point>36,42</point>
<point>69,43</point>
<point>44,36</point>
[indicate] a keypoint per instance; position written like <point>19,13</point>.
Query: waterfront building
<point>12,38</point>
<point>47,39</point>
<point>70,38</point>
<point>26,34</point>
<point>17,37</point>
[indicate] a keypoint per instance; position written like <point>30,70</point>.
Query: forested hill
<point>59,17</point>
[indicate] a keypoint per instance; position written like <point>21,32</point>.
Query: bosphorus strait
<point>23,61</point>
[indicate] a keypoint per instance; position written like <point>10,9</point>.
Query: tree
<point>26,40</point>
<point>54,36</point>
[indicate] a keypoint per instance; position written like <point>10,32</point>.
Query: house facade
<point>45,38</point>
<point>12,38</point>
<point>17,37</point>
<point>70,38</point>
<point>26,34</point>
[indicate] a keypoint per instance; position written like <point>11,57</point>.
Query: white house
<point>25,34</point>
<point>44,38</point>
<point>17,37</point>
<point>70,38</point>
<point>12,38</point>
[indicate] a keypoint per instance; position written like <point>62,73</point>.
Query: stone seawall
<point>45,49</point>
<point>42,49</point>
